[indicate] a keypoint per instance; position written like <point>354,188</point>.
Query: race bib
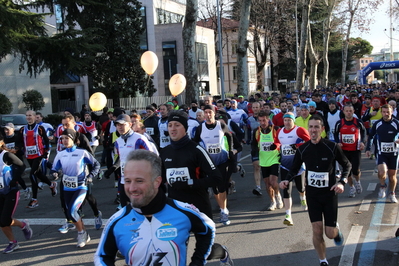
<point>149,131</point>
<point>388,147</point>
<point>10,146</point>
<point>2,184</point>
<point>177,174</point>
<point>287,150</point>
<point>31,150</point>
<point>318,179</point>
<point>165,140</point>
<point>214,148</point>
<point>348,138</point>
<point>265,146</point>
<point>70,181</point>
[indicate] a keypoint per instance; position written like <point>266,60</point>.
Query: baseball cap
<point>9,126</point>
<point>122,119</point>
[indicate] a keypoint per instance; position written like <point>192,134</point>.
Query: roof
<point>211,23</point>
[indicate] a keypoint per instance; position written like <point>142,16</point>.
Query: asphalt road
<point>256,237</point>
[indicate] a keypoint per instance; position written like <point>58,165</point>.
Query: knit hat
<point>305,106</point>
<point>150,107</point>
<point>69,109</point>
<point>332,101</point>
<point>179,116</point>
<point>312,103</point>
<point>70,133</point>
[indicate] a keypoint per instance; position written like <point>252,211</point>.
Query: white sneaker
<point>116,184</point>
<point>288,220</point>
<point>27,193</point>
<point>40,185</point>
<point>66,227</point>
<point>279,201</point>
<point>272,206</point>
<point>83,239</point>
<point>358,186</point>
<point>304,205</point>
<point>382,193</point>
<point>352,192</point>
<point>392,197</point>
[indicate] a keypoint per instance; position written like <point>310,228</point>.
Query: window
<point>166,17</point>
<point>361,61</point>
<point>252,73</point>
<point>201,50</point>
<point>235,74</point>
<point>234,45</point>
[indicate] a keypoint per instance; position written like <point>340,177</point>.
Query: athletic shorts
<point>391,161</point>
<point>271,170</point>
<point>320,205</point>
<point>354,157</point>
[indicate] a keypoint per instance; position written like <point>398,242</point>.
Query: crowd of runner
<point>313,138</point>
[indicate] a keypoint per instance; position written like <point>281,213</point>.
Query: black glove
<point>293,146</point>
<point>179,185</point>
<point>273,147</point>
<point>13,183</point>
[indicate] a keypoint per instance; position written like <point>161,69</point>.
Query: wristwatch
<point>190,182</point>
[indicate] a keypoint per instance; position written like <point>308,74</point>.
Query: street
<point>256,237</point>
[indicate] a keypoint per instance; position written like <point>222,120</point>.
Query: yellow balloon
<point>149,62</point>
<point>177,84</point>
<point>97,101</point>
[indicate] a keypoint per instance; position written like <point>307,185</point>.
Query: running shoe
<point>100,175</point>
<point>33,204</point>
<point>279,201</point>
<point>358,186</point>
<point>224,218</point>
<point>116,184</point>
<point>83,239</point>
<point>288,220</point>
<point>232,188</point>
<point>304,205</point>
<point>352,192</point>
<point>227,261</point>
<point>257,191</point>
<point>11,247</point>
<point>339,239</point>
<point>53,188</point>
<point>28,232</point>
<point>371,156</point>
<point>40,185</point>
<point>272,206</point>
<point>323,263</point>
<point>27,193</point>
<point>98,222</point>
<point>382,193</point>
<point>66,227</point>
<point>241,170</point>
<point>392,197</point>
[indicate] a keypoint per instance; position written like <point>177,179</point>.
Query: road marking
<point>365,206</point>
<point>371,186</point>
<point>369,246</point>
<point>349,250</point>
<point>59,221</point>
<point>245,157</point>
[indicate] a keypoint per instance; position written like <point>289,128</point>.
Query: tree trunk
<point>326,40</point>
<point>242,47</point>
<point>345,50</point>
<point>190,62</point>
<point>300,76</point>
<point>314,62</point>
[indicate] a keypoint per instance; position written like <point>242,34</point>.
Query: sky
<point>379,38</point>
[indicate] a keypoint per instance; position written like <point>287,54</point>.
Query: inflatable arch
<point>362,74</point>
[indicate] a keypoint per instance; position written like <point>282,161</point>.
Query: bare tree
<point>300,76</point>
<point>327,24</point>
<point>190,62</point>
<point>242,70</point>
<point>354,13</point>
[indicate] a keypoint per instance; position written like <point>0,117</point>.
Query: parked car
<point>19,120</point>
